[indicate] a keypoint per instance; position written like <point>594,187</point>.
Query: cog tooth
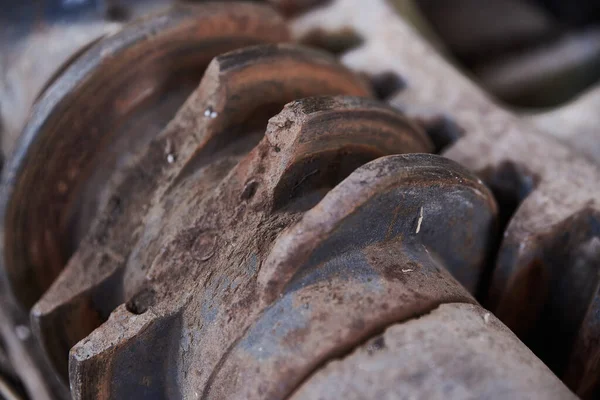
<point>61,143</point>
<point>242,89</point>
<point>210,244</point>
<point>329,137</point>
<point>549,278</point>
<point>232,85</point>
<point>356,262</point>
<point>128,355</point>
<point>72,307</point>
<point>395,172</point>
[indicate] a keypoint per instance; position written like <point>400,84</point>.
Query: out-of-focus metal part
<point>542,67</point>
<point>473,31</point>
<point>528,54</point>
<point>295,7</point>
<point>542,255</point>
<point>6,368</point>
<point>411,12</point>
<point>38,38</point>
<point>7,391</point>
<point>574,12</point>
<point>547,74</point>
<point>576,123</point>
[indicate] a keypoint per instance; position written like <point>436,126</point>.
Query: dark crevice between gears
<point>443,132</point>
<point>141,301</point>
<point>510,184</point>
<point>441,128</point>
<point>386,84</point>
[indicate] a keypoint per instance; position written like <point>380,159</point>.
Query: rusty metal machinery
<point>545,276</point>
<point>198,208</point>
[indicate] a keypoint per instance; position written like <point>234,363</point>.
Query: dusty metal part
<point>554,186</point>
<point>237,95</point>
<point>251,286</point>
<point>332,287</point>
<point>111,101</point>
<point>457,351</point>
<point>230,231</point>
<point>276,241</point>
<point>188,37</point>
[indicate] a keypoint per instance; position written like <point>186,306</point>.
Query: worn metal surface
<point>201,33</point>
<point>109,102</point>
<point>232,246</point>
<point>276,242</point>
<point>457,351</point>
<point>237,95</point>
<point>552,185</point>
<point>223,237</point>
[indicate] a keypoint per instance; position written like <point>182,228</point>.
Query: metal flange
<point>234,99</point>
<point>110,101</point>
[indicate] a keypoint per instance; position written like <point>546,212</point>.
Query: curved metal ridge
<point>201,292</point>
<point>213,123</point>
<point>111,100</point>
